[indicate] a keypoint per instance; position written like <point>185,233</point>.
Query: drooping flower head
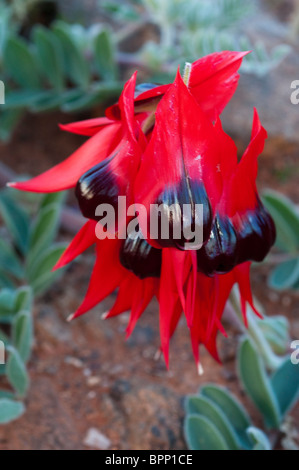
<point>163,149</point>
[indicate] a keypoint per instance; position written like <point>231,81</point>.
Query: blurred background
<point>81,385</point>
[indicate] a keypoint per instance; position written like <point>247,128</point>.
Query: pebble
<point>96,440</point>
<point>74,361</point>
<point>93,381</point>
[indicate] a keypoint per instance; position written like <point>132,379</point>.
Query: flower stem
<point>256,335</point>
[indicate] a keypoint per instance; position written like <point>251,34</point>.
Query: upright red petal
<point>243,194</point>
<point>115,176</point>
<point>180,163</point>
<point>214,80</point>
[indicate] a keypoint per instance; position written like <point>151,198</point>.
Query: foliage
<point>64,66</point>
<point>215,420</point>
<point>27,254</point>
<point>72,68</point>
<point>285,214</point>
<point>192,29</point>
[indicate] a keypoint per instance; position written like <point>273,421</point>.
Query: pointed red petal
<point>85,238</point>
<point>143,294</point>
<point>242,277</point>
<point>126,105</point>
<point>106,276</point>
<point>88,127</point>
<point>66,174</point>
<point>168,300</point>
<point>243,185</point>
<point>214,80</point>
<point>125,296</point>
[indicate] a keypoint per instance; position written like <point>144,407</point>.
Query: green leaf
<point>205,407</point>
<point>100,93</point>
<point>23,98</point>
<point>52,100</point>
<point>6,281</point>
<point>23,299</point>
<point>232,409</point>
<point>16,219</point>
<point>105,55</point>
<point>10,410</point>
<point>259,439</point>
<point>43,232</point>
<point>285,275</point>
<point>53,198</point>
<point>19,63</point>
<point>16,372</point>
<point>50,56</point>
<point>285,383</point>
<point>9,262</point>
<point>76,67</point>
<point>9,120</point>
<point>7,394</point>
<point>22,334</point>
<point>276,331</point>
<point>7,300</point>
<point>201,434</point>
<point>286,220</point>
<point>41,276</point>
<point>257,385</point>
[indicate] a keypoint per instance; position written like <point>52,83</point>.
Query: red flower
<point>159,145</point>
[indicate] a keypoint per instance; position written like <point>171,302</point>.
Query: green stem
<point>256,335</point>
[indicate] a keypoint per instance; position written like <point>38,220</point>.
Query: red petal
<point>88,127</point>
<point>66,174</point>
<point>143,294</point>
<point>243,186</point>
<point>153,93</point>
<point>85,238</point>
<point>242,277</point>
<point>125,296</point>
<point>106,276</point>
<point>168,300</point>
<point>214,80</point>
<point>183,148</point>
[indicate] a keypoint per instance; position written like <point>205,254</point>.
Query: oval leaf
<point>233,410</point>
<point>286,219</point>
<point>285,276</point>
<point>16,372</point>
<point>259,439</point>
<point>285,383</point>
<point>205,407</point>
<point>257,385</point>
<point>20,63</point>
<point>49,56</point>
<point>201,434</point>
<point>10,410</point>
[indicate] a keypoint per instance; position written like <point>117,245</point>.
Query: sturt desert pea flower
<point>160,145</point>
